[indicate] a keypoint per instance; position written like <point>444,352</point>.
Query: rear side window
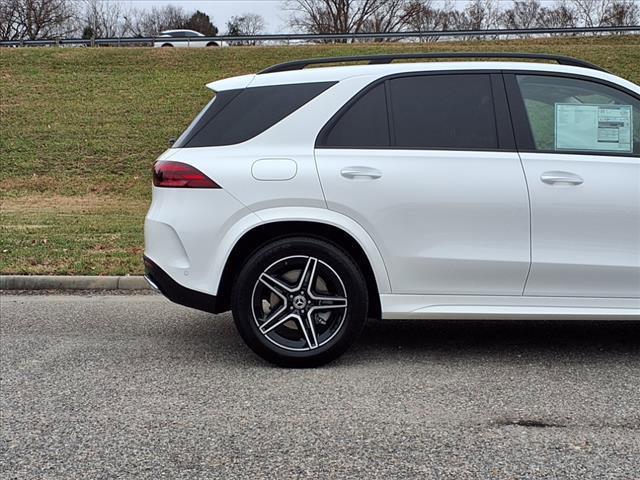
<point>236,116</point>
<point>422,111</point>
<point>443,111</point>
<point>574,115</point>
<point>364,124</point>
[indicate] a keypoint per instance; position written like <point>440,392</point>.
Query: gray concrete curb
<point>72,282</point>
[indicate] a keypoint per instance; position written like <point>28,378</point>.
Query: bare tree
<point>332,16</point>
<point>102,19</point>
<point>477,15</point>
<point>621,13</point>
<point>245,24</point>
<point>133,21</point>
<point>562,15</point>
<point>523,14</point>
<point>392,16</point>
<point>33,19</point>
<point>152,22</point>
<point>9,26</point>
<point>591,13</point>
<point>427,17</point>
<point>142,23</point>
<point>482,14</point>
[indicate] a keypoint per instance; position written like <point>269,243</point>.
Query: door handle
<point>360,172</point>
<point>555,177</point>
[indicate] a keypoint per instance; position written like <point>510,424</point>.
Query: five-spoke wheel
<point>299,303</point>
<point>306,304</point>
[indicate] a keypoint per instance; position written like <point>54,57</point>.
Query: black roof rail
<point>388,58</point>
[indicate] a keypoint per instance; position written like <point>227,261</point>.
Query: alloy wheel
<point>299,303</point>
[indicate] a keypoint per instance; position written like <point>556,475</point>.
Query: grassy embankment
<point>80,127</point>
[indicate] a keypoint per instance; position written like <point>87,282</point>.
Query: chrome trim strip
<point>150,282</point>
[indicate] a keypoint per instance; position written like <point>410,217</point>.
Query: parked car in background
<point>193,39</point>
<point>306,200</point>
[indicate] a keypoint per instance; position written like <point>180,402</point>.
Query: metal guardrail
<point>286,37</point>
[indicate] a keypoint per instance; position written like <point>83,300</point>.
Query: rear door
<point>426,164</point>
<point>580,147</point>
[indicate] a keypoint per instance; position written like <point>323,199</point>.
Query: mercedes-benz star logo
<point>299,302</point>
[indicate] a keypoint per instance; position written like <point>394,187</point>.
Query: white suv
<point>306,200</point>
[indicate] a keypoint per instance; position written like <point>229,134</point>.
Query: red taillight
<point>180,175</point>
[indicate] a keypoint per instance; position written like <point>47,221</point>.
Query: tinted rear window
<point>443,111</point>
<point>236,116</point>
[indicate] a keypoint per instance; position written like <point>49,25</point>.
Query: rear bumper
<point>175,292</point>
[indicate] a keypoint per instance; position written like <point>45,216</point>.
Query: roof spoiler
<point>232,83</point>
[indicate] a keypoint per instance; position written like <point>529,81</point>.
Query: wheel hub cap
<point>299,302</point>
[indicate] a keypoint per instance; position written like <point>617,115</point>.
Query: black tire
<point>165,45</point>
<point>328,315</point>
<point>212,44</point>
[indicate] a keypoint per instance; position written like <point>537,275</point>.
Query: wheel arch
<point>264,233</point>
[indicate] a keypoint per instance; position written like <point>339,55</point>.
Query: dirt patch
<point>54,203</point>
<point>25,226</point>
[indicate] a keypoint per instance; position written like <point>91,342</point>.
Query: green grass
<point>89,234</point>
<point>80,128</point>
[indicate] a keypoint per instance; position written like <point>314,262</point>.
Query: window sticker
<point>599,128</point>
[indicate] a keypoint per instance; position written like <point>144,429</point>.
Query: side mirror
<point>172,140</point>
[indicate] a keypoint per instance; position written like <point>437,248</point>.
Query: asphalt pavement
<point>131,386</point>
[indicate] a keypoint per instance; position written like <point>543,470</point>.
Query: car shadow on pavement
<point>500,336</point>
<point>218,340</point>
